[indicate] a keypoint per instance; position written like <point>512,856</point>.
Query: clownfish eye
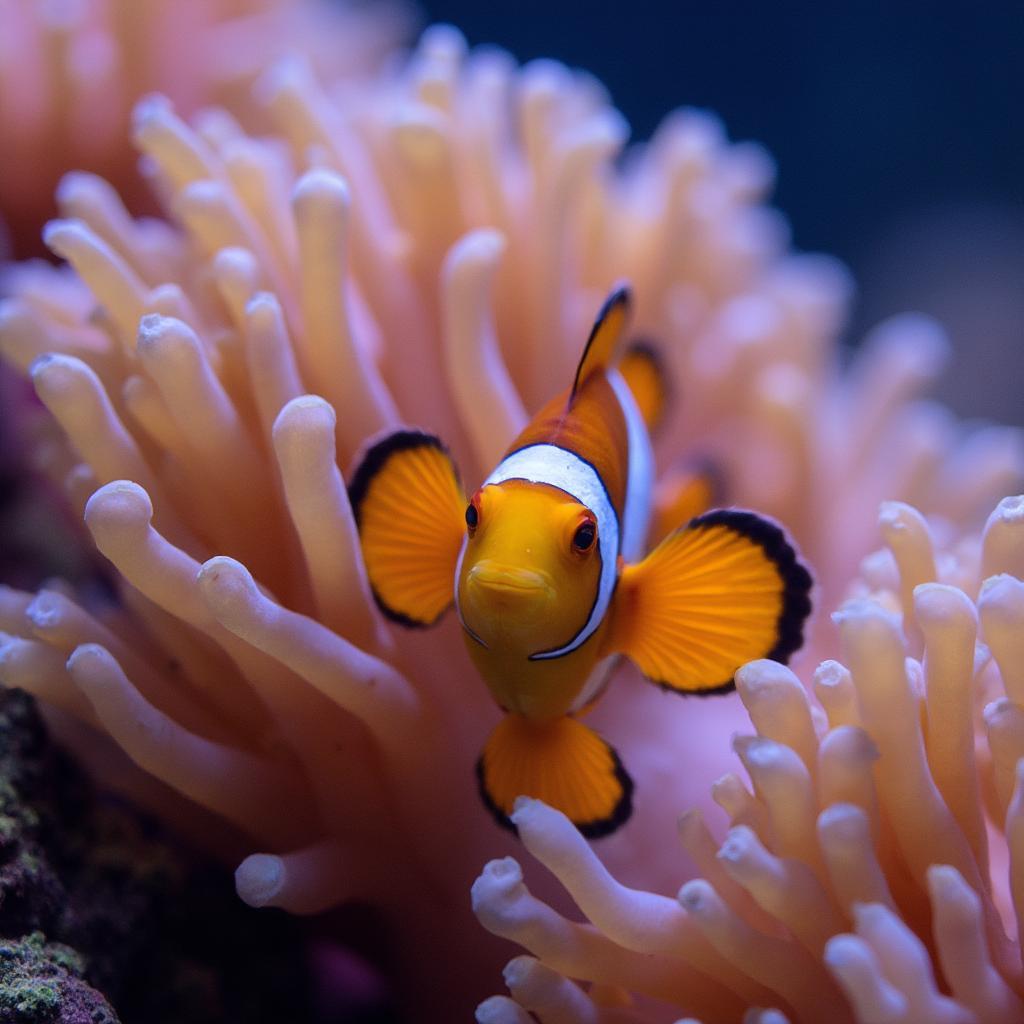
<point>472,517</point>
<point>584,537</point>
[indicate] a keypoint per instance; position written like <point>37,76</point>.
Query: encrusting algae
<point>429,247</point>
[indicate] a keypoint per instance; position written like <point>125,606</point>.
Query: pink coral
<point>429,249</point>
<point>874,866</point>
<point>71,71</point>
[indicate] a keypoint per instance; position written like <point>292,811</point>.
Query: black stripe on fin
<point>430,554</point>
<point>378,453</point>
<point>560,761</point>
<point>723,590</point>
<point>797,581</point>
<point>589,829</point>
<point>604,336</point>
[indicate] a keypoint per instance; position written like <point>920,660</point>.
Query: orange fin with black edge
<point>683,493</point>
<point>560,761</point>
<point>644,372</point>
<point>410,510</point>
<point>722,591</point>
<point>609,327</point>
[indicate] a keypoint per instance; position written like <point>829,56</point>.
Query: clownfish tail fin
<point>605,335</point>
<point>562,762</point>
<point>644,372</point>
<point>722,591</point>
<point>409,508</point>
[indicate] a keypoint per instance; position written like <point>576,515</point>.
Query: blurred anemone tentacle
<point>880,874</point>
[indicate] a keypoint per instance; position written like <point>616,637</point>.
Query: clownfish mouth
<point>506,592</point>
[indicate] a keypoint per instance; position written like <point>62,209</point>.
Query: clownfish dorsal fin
<point>560,761</point>
<point>607,332</point>
<point>410,510</point>
<point>713,595</point>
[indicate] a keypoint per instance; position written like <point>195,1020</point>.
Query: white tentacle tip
<point>898,517</point>
<point>519,970</point>
<point>524,808</point>
<point>763,677</point>
<point>57,234</point>
<point>499,879</point>
<point>696,896</point>
<point>738,844</point>
<point>121,505</point>
<point>946,884</point>
<point>501,1010</point>
<point>843,821</point>
<point>481,247</point>
<point>843,951</point>
<point>865,617</point>
<point>1009,510</point>
<point>831,674</point>
<point>92,666</point>
<point>154,329</point>
<point>263,304</point>
<point>1002,594</point>
<point>225,583</point>
<point>259,879</point>
<point>320,186</point>
<point>869,917</point>
<point>57,371</point>
<point>78,184</point>
<point>44,610</point>
<point>304,415</point>
<point>151,107</point>
<point>236,261</point>
<point>942,604</point>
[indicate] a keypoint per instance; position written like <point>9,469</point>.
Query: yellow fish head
<point>531,568</point>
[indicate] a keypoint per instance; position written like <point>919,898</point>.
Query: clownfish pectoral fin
<point>605,335</point>
<point>684,492</point>
<point>644,373</point>
<point>561,762</point>
<point>409,507</point>
<point>722,591</point>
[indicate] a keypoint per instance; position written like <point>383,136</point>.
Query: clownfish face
<point>531,568</point>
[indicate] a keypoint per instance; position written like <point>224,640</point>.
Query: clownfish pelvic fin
<point>560,761</point>
<point>724,590</point>
<point>409,507</point>
<point>642,369</point>
<point>683,492</point>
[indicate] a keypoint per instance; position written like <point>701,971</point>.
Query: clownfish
<point>545,567</point>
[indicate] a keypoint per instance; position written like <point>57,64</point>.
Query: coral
<point>93,898</point>
<point>70,73</point>
<point>42,982</point>
<point>874,865</point>
<point>429,250</point>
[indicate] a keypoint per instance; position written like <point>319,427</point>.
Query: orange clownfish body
<point>547,571</point>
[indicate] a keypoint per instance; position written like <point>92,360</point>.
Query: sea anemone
<point>432,251</point>
<point>876,862</point>
<point>71,71</point>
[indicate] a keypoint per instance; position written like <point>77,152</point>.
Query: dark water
<point>898,133</point>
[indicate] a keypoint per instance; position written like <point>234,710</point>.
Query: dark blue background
<point>898,135</point>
